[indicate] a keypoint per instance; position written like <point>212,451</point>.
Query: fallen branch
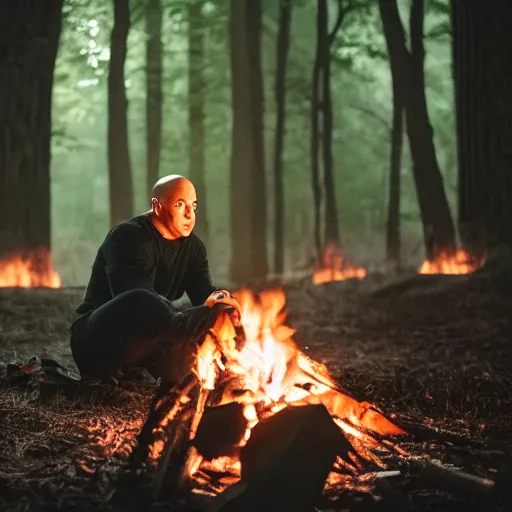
<point>450,479</point>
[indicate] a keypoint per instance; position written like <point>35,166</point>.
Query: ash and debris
<point>434,353</point>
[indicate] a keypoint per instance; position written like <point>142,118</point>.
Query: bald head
<point>166,186</point>
<point>174,202</point>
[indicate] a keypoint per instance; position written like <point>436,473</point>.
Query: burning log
<point>221,429</point>
<point>264,392</point>
<point>165,407</point>
<point>286,462</point>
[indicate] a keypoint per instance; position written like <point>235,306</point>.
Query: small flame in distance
<point>26,269</point>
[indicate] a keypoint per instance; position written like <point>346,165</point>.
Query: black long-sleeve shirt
<point>135,255</point>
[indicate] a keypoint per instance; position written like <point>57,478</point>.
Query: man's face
<point>178,209</point>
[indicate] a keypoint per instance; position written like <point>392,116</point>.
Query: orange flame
<point>460,263</point>
<point>271,373</point>
<point>29,269</point>
<point>333,267</point>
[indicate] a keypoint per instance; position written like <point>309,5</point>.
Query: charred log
<point>286,461</point>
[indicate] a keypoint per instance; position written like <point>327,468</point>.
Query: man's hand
<point>227,301</point>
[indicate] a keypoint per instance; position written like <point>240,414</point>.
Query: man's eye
<point>195,207</point>
<point>179,204</point>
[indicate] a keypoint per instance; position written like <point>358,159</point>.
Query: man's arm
<point>198,281</point>
<point>127,260</point>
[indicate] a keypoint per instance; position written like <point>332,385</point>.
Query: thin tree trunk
<point>29,33</point>
<point>196,112</point>
<point>482,51</point>
<point>120,179</point>
<point>393,244</point>
<point>332,233</point>
<point>283,45</point>
<point>438,227</point>
<point>248,197</point>
<point>154,72</point>
<point>315,146</point>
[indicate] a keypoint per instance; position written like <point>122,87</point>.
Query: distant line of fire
<point>35,269</point>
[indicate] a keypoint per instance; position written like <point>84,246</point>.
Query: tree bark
<point>482,51</point>
<point>196,113</point>
<point>315,144</point>
<point>321,113</point>
<point>438,227</point>
<point>248,194</point>
<point>154,100</point>
<point>283,45</point>
<point>29,40</point>
<point>120,179</point>
<point>332,232</point>
<point>393,243</point>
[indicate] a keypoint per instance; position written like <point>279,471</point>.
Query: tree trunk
<point>120,179</point>
<point>248,195</point>
<point>315,144</point>
<point>29,40</point>
<point>154,71</point>
<point>321,114</point>
<point>196,112</point>
<point>482,52</point>
<point>283,45</point>
<point>393,246</point>
<point>438,227</point>
<point>332,234</point>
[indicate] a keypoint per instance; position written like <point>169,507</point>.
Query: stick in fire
<point>258,377</point>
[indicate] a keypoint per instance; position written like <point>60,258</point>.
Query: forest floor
<point>432,353</point>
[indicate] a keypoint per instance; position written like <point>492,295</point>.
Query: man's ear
<point>157,207</point>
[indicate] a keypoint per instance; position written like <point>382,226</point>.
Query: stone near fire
<point>286,462</point>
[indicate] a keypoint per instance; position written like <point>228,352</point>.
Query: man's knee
<point>142,301</point>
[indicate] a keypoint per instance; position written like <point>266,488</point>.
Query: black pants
<point>139,328</point>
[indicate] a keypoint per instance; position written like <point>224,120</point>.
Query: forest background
<point>362,112</point>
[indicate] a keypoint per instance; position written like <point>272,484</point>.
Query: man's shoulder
<point>128,234</point>
<point>131,227</point>
<point>195,242</point>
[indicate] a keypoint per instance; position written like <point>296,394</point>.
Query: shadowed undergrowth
<point>439,359</point>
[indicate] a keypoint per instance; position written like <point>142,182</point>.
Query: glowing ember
<point>267,372</point>
<point>334,268</point>
<point>461,263</point>
<point>28,270</point>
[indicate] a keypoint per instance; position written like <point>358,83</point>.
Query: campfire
<point>252,391</point>
<point>333,267</point>
<point>460,263</point>
<point>28,269</point>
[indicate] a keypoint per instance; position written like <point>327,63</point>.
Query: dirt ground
<point>431,352</point>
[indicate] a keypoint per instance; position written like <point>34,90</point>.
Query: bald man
<point>127,316</point>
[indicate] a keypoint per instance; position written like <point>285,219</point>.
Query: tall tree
<point>393,245</point>
<point>438,226</point>
<point>154,71</point>
<point>282,48</point>
<point>196,111</point>
<point>120,179</point>
<point>322,125</point>
<point>29,40</point>
<point>482,52</point>
<point>248,193</point>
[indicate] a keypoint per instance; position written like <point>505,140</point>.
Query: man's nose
<point>188,212</point>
